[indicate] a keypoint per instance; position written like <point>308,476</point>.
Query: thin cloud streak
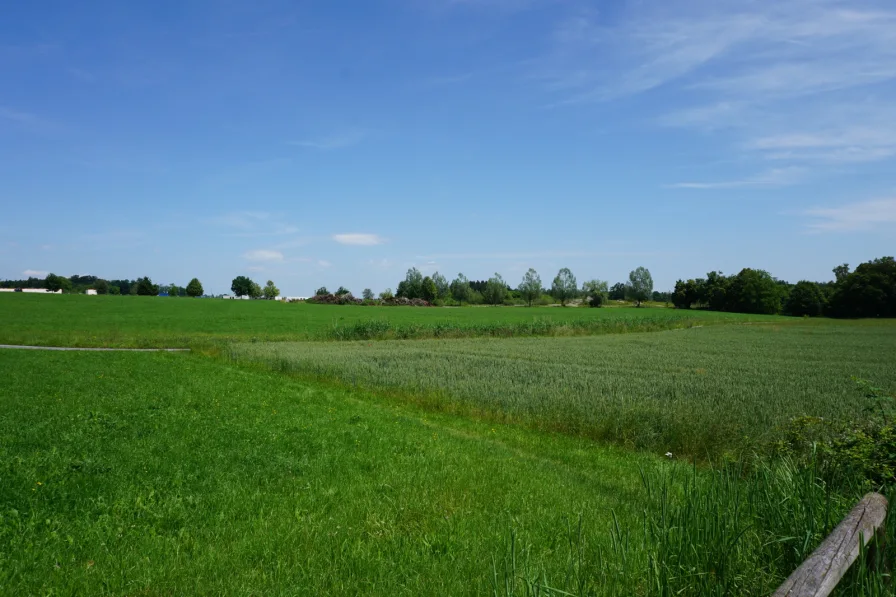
<point>357,238</point>
<point>853,217</point>
<point>772,178</point>
<point>263,255</point>
<point>340,140</point>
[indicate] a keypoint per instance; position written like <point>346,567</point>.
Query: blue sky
<point>328,143</point>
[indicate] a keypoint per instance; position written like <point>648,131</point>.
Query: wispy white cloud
<point>253,224</point>
<point>357,238</point>
<point>338,140</point>
<point>773,178</point>
<point>324,263</point>
<point>35,273</point>
<point>803,82</point>
<point>864,215</point>
<point>263,255</point>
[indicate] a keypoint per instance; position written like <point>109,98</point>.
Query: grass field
<point>698,391</point>
<point>173,474</point>
<point>162,474</point>
<point>405,467</point>
<point>139,322</point>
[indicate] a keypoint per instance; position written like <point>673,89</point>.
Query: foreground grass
<point>127,474</point>
<point>174,474</point>
<point>699,392</point>
<point>146,322</point>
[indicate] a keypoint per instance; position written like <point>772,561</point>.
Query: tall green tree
<point>530,288</point>
<point>428,289</point>
<point>443,289</point>
<point>596,292</point>
<point>805,299</point>
<point>495,290</point>
<point>53,282</point>
<point>342,291</point>
<point>640,285</point>
<point>270,291</point>
<point>145,287</point>
<point>367,294</point>
<point>322,291</point>
<point>617,292</point>
<point>241,286</point>
<point>194,288</point>
<point>754,291</point>
<point>869,291</point>
<point>564,286</point>
<point>101,287</point>
<point>412,285</point>
<point>254,290</point>
<point>460,289</point>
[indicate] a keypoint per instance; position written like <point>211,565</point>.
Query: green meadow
<point>154,322</point>
<point>446,466</point>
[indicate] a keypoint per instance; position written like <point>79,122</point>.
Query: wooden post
<point>821,572</point>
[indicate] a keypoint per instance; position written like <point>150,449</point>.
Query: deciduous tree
<point>442,286</point>
<point>194,288</point>
<point>270,291</point>
<point>460,289</point>
<point>564,286</point>
<point>595,292</point>
<point>145,287</point>
<point>495,290</point>
<point>241,286</point>
<point>254,290</point>
<point>530,288</point>
<point>428,289</point>
<point>640,285</point>
<point>367,294</point>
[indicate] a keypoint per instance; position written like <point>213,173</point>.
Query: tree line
<point>869,291</point>
<point>81,284</point>
<point>530,291</point>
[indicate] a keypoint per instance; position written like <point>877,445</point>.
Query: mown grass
<point>703,392</point>
<point>147,322</point>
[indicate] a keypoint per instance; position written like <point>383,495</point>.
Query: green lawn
<point>126,321</point>
<point>164,474</point>
<point>699,391</point>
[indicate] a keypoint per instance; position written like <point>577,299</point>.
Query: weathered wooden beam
<point>822,570</point>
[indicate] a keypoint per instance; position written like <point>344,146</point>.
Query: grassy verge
<point>705,392</point>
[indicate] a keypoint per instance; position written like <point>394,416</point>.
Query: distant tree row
<point>530,291</point>
<point>244,286</point>
<point>869,291</point>
<point>81,284</point>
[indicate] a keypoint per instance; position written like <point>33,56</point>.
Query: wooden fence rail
<point>821,572</point>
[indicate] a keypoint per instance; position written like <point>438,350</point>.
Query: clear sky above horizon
<point>340,143</point>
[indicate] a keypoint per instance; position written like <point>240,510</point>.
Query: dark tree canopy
<point>428,289</point>
<point>870,291</point>
<point>145,287</point>
<point>194,288</point>
<point>241,286</point>
<point>805,299</point>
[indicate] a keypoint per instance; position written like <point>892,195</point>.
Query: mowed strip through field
<point>699,391</point>
<point>164,322</point>
<point>138,473</point>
